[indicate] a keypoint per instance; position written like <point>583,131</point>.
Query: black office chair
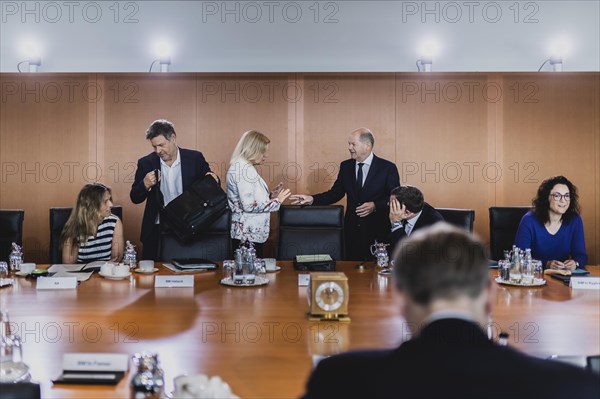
<point>58,218</point>
<point>20,390</point>
<point>311,230</point>
<point>11,230</point>
<point>462,218</point>
<point>504,222</point>
<point>212,244</point>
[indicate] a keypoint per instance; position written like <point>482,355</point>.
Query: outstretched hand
<point>301,199</point>
<point>283,195</point>
<point>276,190</point>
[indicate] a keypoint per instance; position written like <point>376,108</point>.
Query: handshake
<point>282,194</point>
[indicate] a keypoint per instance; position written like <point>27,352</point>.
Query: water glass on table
<point>3,270</point>
<point>538,269</point>
<point>228,266</point>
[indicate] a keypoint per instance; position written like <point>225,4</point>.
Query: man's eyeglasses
<point>558,196</point>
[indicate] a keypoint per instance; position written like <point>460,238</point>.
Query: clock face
<point>329,296</point>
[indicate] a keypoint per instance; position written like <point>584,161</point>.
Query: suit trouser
<point>150,244</point>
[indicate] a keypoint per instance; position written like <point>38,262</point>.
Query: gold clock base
<point>329,317</point>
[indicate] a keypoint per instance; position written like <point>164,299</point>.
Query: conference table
<point>259,339</point>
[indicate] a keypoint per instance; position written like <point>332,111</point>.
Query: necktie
<point>359,179</point>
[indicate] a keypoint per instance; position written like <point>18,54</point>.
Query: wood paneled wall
<point>468,140</point>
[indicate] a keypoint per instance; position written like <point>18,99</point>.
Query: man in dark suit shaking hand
<point>367,181</point>
<point>409,212</point>
<point>446,295</point>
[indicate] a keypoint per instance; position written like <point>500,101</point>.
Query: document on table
<point>69,271</point>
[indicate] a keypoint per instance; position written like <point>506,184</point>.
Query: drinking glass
<point>3,270</point>
<point>228,266</point>
<point>527,273</point>
<point>260,267</point>
<point>538,269</point>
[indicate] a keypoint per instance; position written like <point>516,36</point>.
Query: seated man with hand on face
<point>409,212</point>
<point>446,295</point>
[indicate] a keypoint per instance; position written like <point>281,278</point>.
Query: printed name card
<point>173,281</point>
<point>96,361</point>
<point>585,283</point>
<point>303,280</point>
<point>56,283</point>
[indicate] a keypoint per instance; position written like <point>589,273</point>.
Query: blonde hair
<point>251,146</point>
<point>85,217</point>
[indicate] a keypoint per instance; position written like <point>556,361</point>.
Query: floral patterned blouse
<point>248,197</point>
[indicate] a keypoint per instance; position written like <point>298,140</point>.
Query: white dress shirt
<point>365,169</point>
<point>171,184</point>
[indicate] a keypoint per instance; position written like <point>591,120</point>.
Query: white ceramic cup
<point>190,386</point>
<point>27,267</point>
<point>120,270</point>
<point>107,269</point>
<point>146,265</point>
<point>270,263</point>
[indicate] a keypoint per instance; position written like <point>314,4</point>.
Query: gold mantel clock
<point>328,294</point>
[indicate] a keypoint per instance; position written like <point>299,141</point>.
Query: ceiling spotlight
<point>558,49</point>
<point>163,53</point>
<point>425,63</point>
<point>428,50</point>
<point>34,60</point>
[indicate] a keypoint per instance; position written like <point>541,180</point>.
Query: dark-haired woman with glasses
<point>92,232</point>
<point>554,229</point>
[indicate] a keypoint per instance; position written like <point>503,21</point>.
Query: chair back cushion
<point>311,230</point>
<point>462,218</point>
<point>504,222</point>
<point>11,230</point>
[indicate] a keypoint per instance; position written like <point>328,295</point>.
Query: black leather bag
<point>194,210</point>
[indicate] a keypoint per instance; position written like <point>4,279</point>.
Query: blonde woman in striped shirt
<point>92,232</point>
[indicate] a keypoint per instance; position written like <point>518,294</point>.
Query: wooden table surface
<point>259,339</point>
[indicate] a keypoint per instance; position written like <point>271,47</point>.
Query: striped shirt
<point>99,247</point>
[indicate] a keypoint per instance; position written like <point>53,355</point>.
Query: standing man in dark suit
<point>177,168</point>
<point>409,212</point>
<point>446,296</point>
<point>367,182</point>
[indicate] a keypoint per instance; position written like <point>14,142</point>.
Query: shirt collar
<point>367,161</point>
<point>176,163</point>
<point>413,220</point>
<point>448,314</point>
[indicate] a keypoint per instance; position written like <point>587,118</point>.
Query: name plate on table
<point>303,280</point>
<point>585,283</point>
<point>93,368</point>
<point>56,283</point>
<point>173,281</point>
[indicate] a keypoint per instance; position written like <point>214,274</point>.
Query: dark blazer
<point>428,217</point>
<point>193,166</point>
<point>451,358</point>
<point>360,233</point>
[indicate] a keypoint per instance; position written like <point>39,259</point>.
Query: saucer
<point>537,282</point>
<point>22,274</point>
<point>138,270</point>
<point>277,268</point>
<point>113,277</point>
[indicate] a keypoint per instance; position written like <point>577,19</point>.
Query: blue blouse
<point>568,242</point>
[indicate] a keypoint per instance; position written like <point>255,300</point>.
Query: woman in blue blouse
<point>554,229</point>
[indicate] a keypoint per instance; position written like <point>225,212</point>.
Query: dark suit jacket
<point>360,233</point>
<point>451,358</point>
<point>428,217</point>
<point>193,166</point>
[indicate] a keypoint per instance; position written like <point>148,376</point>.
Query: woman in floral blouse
<point>248,194</point>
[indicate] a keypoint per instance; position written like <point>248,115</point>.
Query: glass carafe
<point>379,250</point>
<point>12,368</point>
